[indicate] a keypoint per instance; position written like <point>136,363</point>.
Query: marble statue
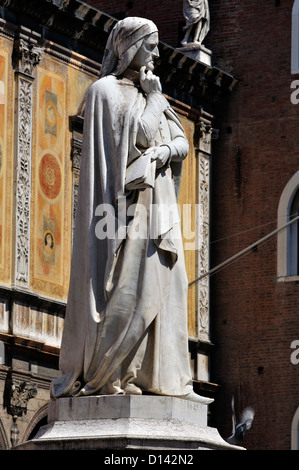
<point>197,16</point>
<point>125,328</point>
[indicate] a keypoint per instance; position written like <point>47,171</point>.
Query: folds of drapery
<point>195,11</point>
<point>121,283</point>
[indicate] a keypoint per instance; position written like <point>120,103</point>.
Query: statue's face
<point>147,53</point>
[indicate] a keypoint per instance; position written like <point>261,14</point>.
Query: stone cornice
<point>22,343</point>
<point>84,30</point>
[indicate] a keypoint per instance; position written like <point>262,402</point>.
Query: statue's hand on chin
<point>148,81</point>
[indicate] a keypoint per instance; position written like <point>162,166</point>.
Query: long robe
<point>126,317</point>
<point>195,11</point>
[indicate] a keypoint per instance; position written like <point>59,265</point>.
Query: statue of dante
<point>197,16</point>
<point>126,320</point>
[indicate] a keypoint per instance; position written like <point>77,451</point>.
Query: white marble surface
<point>123,422</point>
<point>197,52</point>
<point>127,322</point>
<point>144,407</point>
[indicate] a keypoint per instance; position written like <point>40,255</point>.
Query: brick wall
<point>255,318</point>
<point>167,14</point>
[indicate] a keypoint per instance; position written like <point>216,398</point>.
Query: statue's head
<point>132,42</point>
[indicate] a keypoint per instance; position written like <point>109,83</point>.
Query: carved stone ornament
<point>76,154</point>
<point>23,192</point>
<point>205,137</point>
<point>206,134</point>
<point>26,56</point>
<point>76,162</point>
<point>203,254</point>
<point>20,394</point>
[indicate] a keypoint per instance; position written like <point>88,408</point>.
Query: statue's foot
<point>192,396</point>
<point>132,389</point>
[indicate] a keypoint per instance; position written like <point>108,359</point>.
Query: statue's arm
<point>179,145</point>
<point>149,122</point>
<point>156,104</point>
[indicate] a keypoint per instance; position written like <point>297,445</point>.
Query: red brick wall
<point>255,318</point>
<point>167,14</point>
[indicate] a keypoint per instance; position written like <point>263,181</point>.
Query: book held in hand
<point>140,173</point>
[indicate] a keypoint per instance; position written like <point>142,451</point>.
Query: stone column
<point>77,131</point>
<point>204,152</point>
<point>203,162</point>
<point>25,57</point>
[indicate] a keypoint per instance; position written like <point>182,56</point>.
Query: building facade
<point>240,183</point>
<point>255,300</point>
<point>50,53</point>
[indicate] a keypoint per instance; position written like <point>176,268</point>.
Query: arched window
<point>295,37</point>
<point>295,431</point>
<point>288,238</point>
<point>293,251</point>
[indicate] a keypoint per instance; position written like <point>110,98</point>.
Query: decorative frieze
<point>76,153</point>
<point>205,137</point>
<point>204,148</point>
<point>77,129</point>
<point>4,315</point>
<point>41,324</point>
<point>23,180</point>
<point>203,252</point>
<point>25,57</point>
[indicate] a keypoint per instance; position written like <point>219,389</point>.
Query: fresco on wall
<point>6,162</point>
<point>2,146</point>
<point>187,200</point>
<point>49,199</point>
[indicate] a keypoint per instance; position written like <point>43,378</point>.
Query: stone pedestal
<point>197,52</point>
<point>126,422</point>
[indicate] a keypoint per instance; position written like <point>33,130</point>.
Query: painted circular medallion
<point>50,176</point>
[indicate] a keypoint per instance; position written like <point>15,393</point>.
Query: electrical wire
<point>242,253</point>
<point>249,230</point>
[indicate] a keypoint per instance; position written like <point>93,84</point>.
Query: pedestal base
<point>197,52</point>
<point>126,422</point>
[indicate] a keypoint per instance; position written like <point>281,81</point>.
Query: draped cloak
<point>126,316</point>
<point>195,11</point>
